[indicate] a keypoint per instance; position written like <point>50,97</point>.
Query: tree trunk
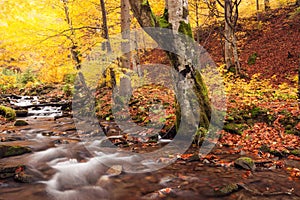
<point>74,52</point>
<point>267,5</point>
<point>176,15</point>
<point>231,48</point>
<point>105,33</point>
<point>257,10</point>
<point>228,35</point>
<point>125,28</point>
<point>73,49</point>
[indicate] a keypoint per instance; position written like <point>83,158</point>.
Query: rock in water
<point>7,171</point>
<point>6,151</point>
<point>245,163</point>
<point>115,170</point>
<point>20,123</point>
<point>21,113</point>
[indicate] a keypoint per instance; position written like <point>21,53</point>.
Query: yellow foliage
<point>8,81</point>
<point>257,89</point>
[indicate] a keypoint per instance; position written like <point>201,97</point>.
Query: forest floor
<point>262,123</point>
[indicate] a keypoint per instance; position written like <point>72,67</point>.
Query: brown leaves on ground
<point>260,135</point>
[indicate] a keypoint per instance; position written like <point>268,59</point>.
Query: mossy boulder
<point>296,152</point>
<point>8,113</point>
<point>226,190</point>
<point>6,151</point>
<point>20,123</point>
<point>245,163</point>
<point>235,128</point>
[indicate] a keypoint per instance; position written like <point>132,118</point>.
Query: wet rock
<point>22,177</point>
<point>115,170</point>
<point>21,113</point>
<point>226,190</point>
<point>20,123</point>
<point>6,151</point>
<point>245,163</point>
<point>48,133</point>
<point>7,171</point>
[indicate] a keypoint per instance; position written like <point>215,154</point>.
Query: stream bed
<point>63,166</point>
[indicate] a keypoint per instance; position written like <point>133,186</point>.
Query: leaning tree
<point>175,18</point>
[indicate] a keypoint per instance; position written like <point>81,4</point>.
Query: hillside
<point>275,40</point>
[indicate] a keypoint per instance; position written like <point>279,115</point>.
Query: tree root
<point>254,192</point>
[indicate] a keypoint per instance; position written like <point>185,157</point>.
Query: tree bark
<point>176,18</point>
<point>267,5</point>
<point>231,48</point>
<point>105,33</point>
<point>73,49</point>
<point>228,36</point>
<point>125,28</point>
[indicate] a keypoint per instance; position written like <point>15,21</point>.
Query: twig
<point>289,192</point>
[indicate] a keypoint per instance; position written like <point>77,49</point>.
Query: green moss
<point>296,152</point>
<point>145,3</point>
<point>186,29</point>
<point>234,128</point>
<point>245,163</point>
<point>163,20</point>
<point>6,151</point>
<point>20,123</point>
<point>226,190</point>
<point>201,83</point>
<point>252,59</point>
<point>8,113</point>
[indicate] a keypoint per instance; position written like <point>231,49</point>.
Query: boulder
<point>245,163</point>
<point>21,113</point>
<point>6,151</point>
<point>20,123</point>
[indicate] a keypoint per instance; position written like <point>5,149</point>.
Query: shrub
<point>8,113</point>
<point>27,76</point>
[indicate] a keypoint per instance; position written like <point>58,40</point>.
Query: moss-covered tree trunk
<point>190,81</point>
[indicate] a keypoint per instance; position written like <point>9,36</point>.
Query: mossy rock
<point>8,171</point>
<point>226,190</point>
<point>245,163</point>
<point>252,59</point>
<point>296,152</point>
<point>20,123</point>
<point>8,113</point>
<point>235,128</point>
<point>6,151</point>
<point>23,178</point>
<point>10,168</point>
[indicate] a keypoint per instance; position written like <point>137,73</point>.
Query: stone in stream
<point>115,170</point>
<point>245,163</point>
<point>6,151</point>
<point>21,113</point>
<point>20,123</point>
<point>7,171</point>
<point>22,177</point>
